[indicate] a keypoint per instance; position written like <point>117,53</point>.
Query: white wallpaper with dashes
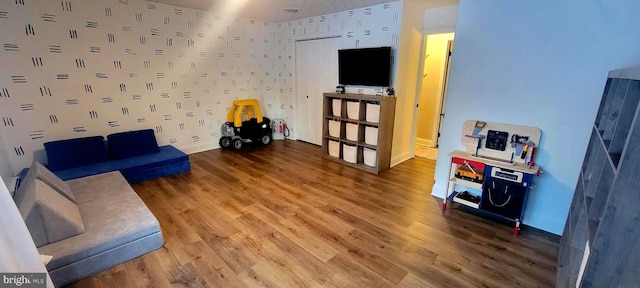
<point>81,68</point>
<point>373,26</point>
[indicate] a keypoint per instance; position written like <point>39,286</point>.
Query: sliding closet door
<point>316,73</point>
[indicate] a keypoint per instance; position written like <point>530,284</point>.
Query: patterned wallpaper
<point>82,68</point>
<point>373,26</point>
<point>94,67</point>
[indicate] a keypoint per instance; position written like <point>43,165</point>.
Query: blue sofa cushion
<point>131,144</point>
<point>70,153</point>
<point>178,165</point>
<point>129,167</point>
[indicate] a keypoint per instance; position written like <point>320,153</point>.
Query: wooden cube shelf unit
<point>384,126</point>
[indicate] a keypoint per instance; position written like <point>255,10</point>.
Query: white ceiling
<point>272,10</point>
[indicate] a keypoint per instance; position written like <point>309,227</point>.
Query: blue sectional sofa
<point>135,154</point>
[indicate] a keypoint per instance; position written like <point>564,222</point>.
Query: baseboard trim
<point>438,190</point>
<point>192,149</point>
<point>399,159</point>
<point>534,220</point>
<point>424,142</point>
<point>543,222</point>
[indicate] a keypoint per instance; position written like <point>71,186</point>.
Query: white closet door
<point>304,52</point>
<point>317,73</point>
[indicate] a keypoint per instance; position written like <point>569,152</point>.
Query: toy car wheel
<point>237,144</point>
<point>265,140</point>
<point>225,142</point>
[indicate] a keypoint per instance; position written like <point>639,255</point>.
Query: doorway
<point>316,73</point>
<point>433,89</point>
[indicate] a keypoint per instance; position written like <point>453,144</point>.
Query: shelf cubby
<point>578,241</point>
<point>601,193</point>
<point>610,120</point>
<point>625,118</point>
<point>609,88</point>
<point>591,151</point>
<point>592,176</point>
<point>595,154</point>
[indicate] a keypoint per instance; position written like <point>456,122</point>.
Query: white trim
<point>424,142</point>
<point>439,30</point>
<point>192,149</point>
<point>296,114</point>
<point>416,101</point>
<point>441,95</point>
<point>418,96</point>
<point>438,190</point>
<point>401,158</point>
<point>541,218</point>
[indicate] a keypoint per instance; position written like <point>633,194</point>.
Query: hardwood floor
<point>281,216</point>
<point>426,152</point>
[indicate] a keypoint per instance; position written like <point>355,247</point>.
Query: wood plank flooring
<point>281,216</point>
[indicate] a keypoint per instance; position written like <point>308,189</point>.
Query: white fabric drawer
<point>349,153</point>
<point>334,128</point>
<point>334,148</point>
<point>369,156</point>
<point>351,132</point>
<point>373,112</point>
<point>371,135</point>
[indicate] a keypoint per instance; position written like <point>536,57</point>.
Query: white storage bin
<point>373,112</point>
<point>334,148</point>
<point>334,128</point>
<point>352,132</point>
<point>349,153</point>
<point>353,110</point>
<point>336,105</point>
<point>369,156</point>
<point>371,135</point>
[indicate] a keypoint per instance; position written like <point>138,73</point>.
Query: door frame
<point>297,114</point>
<point>416,100</point>
<point>443,94</point>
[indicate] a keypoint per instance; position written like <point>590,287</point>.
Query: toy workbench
<point>495,172</point>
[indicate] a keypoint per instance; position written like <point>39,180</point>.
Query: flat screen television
<point>365,66</point>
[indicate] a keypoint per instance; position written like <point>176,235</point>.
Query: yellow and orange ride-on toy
<point>235,132</point>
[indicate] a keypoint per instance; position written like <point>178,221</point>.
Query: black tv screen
<point>366,66</point>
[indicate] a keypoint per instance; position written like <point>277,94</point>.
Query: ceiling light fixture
<point>290,10</point>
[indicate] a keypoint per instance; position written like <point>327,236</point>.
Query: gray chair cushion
<point>113,215</point>
<point>37,171</point>
<point>49,216</point>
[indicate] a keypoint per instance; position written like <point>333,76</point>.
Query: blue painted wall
<point>538,63</point>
